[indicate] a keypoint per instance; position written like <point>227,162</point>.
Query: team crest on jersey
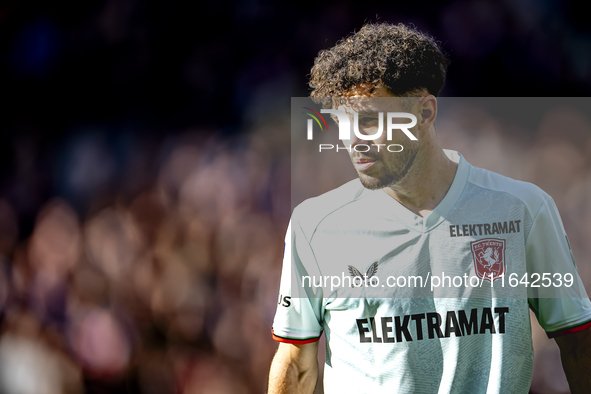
<point>489,257</point>
<point>355,273</point>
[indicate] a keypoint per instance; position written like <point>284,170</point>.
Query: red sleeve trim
<point>570,330</point>
<point>295,341</point>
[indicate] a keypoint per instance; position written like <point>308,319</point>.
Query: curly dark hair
<point>400,57</point>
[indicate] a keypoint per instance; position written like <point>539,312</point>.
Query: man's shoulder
<point>313,210</point>
<point>530,195</point>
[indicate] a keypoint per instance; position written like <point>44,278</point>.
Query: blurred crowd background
<point>145,172</point>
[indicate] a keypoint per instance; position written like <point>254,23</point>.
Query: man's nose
<point>355,140</point>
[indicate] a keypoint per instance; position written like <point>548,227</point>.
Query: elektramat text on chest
<point>474,230</point>
<point>430,325</point>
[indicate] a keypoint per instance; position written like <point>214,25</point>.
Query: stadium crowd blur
<point>145,174</point>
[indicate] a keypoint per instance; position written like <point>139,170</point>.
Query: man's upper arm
<point>563,309</point>
<point>572,342</point>
<point>575,352</point>
<point>299,317</point>
<point>294,369</point>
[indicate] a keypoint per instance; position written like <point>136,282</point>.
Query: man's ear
<point>427,112</point>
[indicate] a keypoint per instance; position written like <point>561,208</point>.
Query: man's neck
<point>426,183</point>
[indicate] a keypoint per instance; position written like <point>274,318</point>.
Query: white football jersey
<point>437,304</point>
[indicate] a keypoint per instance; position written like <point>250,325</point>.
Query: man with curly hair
<point>419,212</point>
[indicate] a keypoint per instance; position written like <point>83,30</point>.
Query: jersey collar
<point>425,224</point>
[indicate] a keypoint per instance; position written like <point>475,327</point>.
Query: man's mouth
<point>362,164</point>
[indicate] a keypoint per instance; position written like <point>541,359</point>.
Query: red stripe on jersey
<point>570,330</point>
<point>294,341</point>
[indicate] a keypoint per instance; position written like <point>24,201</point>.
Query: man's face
<point>378,167</point>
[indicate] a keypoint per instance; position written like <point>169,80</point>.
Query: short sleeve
<point>560,309</point>
<point>298,319</point>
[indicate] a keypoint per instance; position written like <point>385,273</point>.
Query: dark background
<point>144,164</point>
<point>145,70</point>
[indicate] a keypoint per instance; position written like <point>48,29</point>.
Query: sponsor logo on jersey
<point>284,301</point>
<point>489,258</point>
<point>390,329</point>
<point>475,230</point>
<point>359,279</point>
